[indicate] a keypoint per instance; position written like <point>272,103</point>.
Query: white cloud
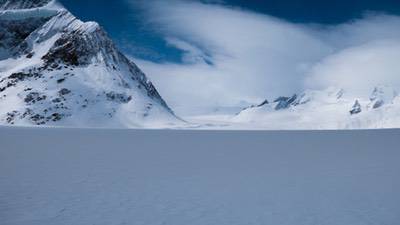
<point>192,54</point>
<point>254,56</point>
<point>359,69</point>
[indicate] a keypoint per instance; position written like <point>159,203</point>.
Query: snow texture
<point>154,177</point>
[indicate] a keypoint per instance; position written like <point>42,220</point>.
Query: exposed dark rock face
<point>281,103</point>
<point>11,117</point>
<point>38,118</point>
<point>22,4</point>
<point>15,78</point>
<point>117,97</point>
<point>356,109</point>
<point>265,102</point>
<point>13,34</point>
<point>376,93</point>
<point>284,102</point>
<point>340,94</point>
<point>34,97</point>
<point>72,50</point>
<point>378,97</point>
<point>378,103</point>
<point>59,81</point>
<point>64,91</point>
<point>302,99</point>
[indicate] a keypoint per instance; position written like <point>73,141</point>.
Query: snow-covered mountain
<point>58,70</point>
<point>328,109</point>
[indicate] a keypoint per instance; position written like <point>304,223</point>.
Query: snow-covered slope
<point>154,177</point>
<point>328,109</point>
<point>58,70</point>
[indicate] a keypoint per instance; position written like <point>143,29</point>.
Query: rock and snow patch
<point>356,108</point>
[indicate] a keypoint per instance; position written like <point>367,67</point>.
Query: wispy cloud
<point>231,54</point>
<point>359,69</point>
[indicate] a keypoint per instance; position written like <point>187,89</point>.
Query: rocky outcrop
<point>284,102</point>
<point>356,109</point>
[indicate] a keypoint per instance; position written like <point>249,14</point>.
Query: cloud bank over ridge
<point>232,55</point>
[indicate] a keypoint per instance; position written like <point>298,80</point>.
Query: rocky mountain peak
<point>356,109</point>
<point>382,95</point>
<point>56,69</point>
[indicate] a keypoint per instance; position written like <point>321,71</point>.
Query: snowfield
<point>155,177</point>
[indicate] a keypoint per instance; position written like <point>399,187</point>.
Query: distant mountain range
<point>326,109</point>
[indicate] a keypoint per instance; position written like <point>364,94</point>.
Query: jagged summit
<point>382,95</point>
<point>58,70</point>
<point>356,108</point>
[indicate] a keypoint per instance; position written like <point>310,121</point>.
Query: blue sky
<point>239,52</point>
<point>123,19</point>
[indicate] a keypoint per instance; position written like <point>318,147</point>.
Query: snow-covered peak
<point>57,70</point>
<point>381,95</point>
<point>356,108</point>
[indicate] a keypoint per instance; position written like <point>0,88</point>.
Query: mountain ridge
<point>332,108</point>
